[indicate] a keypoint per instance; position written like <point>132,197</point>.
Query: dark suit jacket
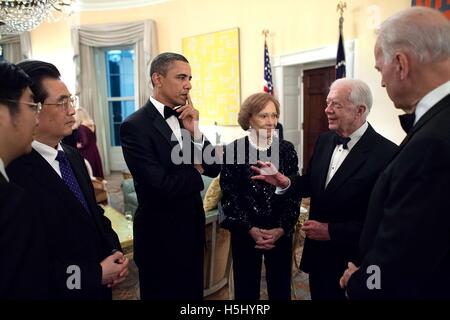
<point>169,222</point>
<point>74,236</point>
<point>23,267</point>
<point>407,230</point>
<point>343,203</point>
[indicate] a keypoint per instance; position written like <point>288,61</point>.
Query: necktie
<point>168,112</point>
<point>69,178</point>
<point>341,140</point>
<point>407,121</point>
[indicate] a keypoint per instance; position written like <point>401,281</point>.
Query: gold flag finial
<point>265,33</point>
<point>340,8</point>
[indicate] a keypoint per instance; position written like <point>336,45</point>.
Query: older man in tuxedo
<point>343,169</point>
<point>83,250</point>
<point>406,239</point>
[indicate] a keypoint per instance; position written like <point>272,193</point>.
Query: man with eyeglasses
<point>343,169</point>
<point>23,268</point>
<point>84,251</point>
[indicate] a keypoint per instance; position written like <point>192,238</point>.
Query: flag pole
<point>340,56</point>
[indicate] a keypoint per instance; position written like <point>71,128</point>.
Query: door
<point>316,85</point>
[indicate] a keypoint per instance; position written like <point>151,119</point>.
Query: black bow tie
<point>168,112</point>
<point>407,121</point>
<point>341,140</point>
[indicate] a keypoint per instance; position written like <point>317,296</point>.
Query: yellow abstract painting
<point>214,59</point>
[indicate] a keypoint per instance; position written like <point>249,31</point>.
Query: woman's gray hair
<point>422,32</point>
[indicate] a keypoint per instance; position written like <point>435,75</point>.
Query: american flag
<point>268,85</point>
<point>340,58</point>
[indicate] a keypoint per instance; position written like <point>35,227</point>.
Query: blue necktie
<point>69,178</point>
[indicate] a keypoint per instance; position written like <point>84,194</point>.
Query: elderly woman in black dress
<point>261,222</point>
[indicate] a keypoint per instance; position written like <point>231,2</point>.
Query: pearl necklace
<point>255,145</point>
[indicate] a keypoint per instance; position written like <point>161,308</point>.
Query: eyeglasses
<point>36,106</point>
<point>67,102</point>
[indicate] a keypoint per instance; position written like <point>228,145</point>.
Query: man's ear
<point>402,64</point>
<point>361,109</point>
<point>156,79</point>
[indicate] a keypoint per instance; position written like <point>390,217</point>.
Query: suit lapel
<point>353,161</point>
<point>2,179</point>
<point>440,106</point>
<point>160,124</point>
<point>324,163</point>
<point>51,181</point>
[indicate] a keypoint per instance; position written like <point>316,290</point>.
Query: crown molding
<point>102,5</point>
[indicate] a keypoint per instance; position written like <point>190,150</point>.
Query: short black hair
<point>162,62</point>
<point>13,82</point>
<point>39,70</point>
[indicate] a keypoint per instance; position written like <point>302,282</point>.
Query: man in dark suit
<point>169,223</point>
<point>23,268</point>
<point>406,238</point>
<point>80,239</point>
<point>343,169</point>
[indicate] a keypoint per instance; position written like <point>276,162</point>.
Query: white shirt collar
<point>355,136</point>
<point>2,170</point>
<point>47,152</point>
<point>430,99</point>
<point>159,106</point>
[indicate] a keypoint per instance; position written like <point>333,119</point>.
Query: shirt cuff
<point>199,143</point>
<point>281,191</point>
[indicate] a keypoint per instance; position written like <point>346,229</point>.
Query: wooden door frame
<point>306,60</point>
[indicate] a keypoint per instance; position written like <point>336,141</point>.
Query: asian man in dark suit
<point>23,266</point>
<point>406,238</point>
<point>343,169</point>
<point>169,225</point>
<point>83,250</point>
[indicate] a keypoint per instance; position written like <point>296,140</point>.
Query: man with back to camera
<point>343,169</point>
<point>85,261</point>
<point>169,225</point>
<point>405,243</point>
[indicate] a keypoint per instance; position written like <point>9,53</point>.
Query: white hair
<point>360,93</point>
<point>422,32</point>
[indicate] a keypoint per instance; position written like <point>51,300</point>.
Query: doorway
<point>316,85</point>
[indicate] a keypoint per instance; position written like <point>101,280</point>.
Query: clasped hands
<point>265,238</point>
<point>114,269</point>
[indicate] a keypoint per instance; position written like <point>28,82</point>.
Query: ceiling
<point>93,5</point>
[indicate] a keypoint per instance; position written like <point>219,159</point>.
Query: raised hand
<point>190,117</point>
<point>267,172</point>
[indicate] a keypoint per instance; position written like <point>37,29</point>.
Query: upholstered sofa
<point>217,261</point>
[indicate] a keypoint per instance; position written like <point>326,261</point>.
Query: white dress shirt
<point>338,157</point>
<point>430,99</point>
<point>172,121</point>
<point>49,154</point>
<point>2,170</point>
<point>174,124</point>
<point>339,153</point>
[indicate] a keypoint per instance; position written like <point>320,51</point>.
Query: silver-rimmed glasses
<point>36,106</point>
<point>65,103</point>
